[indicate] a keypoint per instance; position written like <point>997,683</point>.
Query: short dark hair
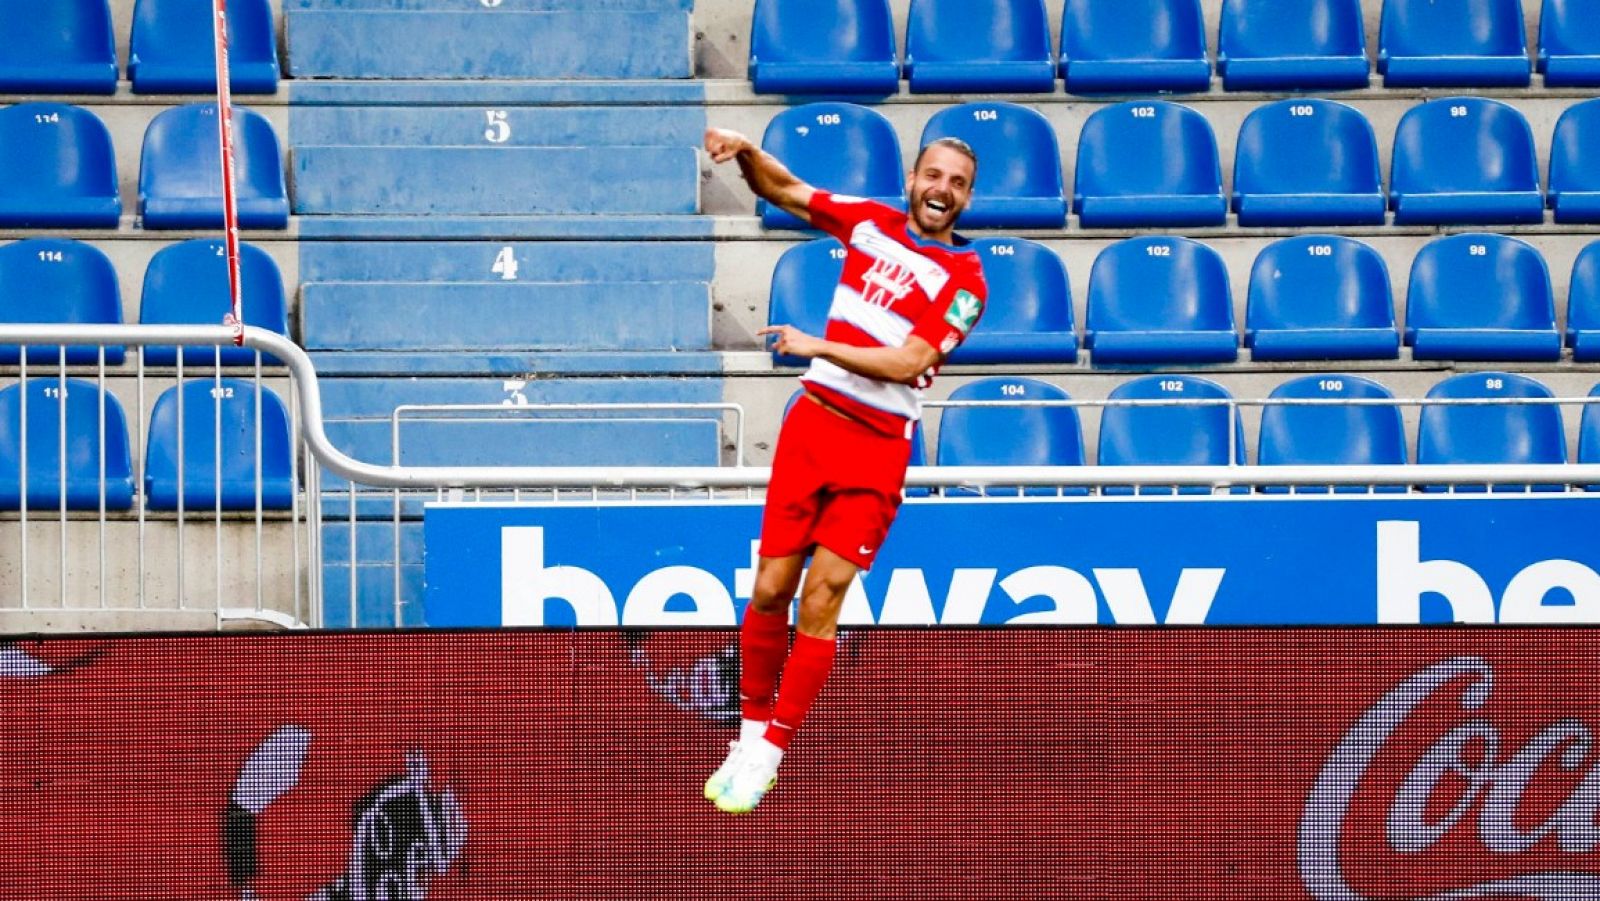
<point>956,144</point>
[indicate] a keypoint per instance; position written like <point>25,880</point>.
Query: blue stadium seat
<point>1589,435</point>
<point>86,432</point>
<point>1010,436</point>
<point>1029,316</point>
<point>1481,297</point>
<point>1430,44</point>
<point>1134,46</point>
<point>839,147</point>
<point>1490,433</point>
<point>1331,434</point>
<point>57,168</point>
<point>187,284</point>
<point>225,407</point>
<point>1160,300</point>
<point>1569,43</point>
<point>1307,162</point>
<point>1320,297</point>
<point>1465,161</point>
<point>48,280</point>
<point>172,49</point>
<point>180,170</point>
<point>1583,306</point>
<point>802,290</point>
<point>1196,434</point>
<point>1575,164</point>
<point>823,47</point>
<point>59,47</point>
<point>979,47</point>
<point>1019,173</point>
<point>1148,163</point>
<point>1268,45</point>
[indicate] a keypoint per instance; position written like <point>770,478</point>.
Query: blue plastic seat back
<point>1269,44</point>
<point>1019,182</point>
<point>1010,435</point>
<point>1320,297</point>
<point>1569,43</point>
<point>803,283</point>
<point>1192,434</point>
<point>1029,314</point>
<point>213,408</point>
<point>1589,435</point>
<point>838,147</point>
<point>800,46</point>
<point>1481,291</point>
<point>1158,284</point>
<point>979,45</point>
<point>1134,45</point>
<point>172,49</point>
<point>180,170</point>
<point>50,280</point>
<point>1150,152</point>
<point>1465,145</point>
<point>86,433</point>
<point>59,47</point>
<point>58,168</point>
<point>1583,305</point>
<point>1331,434</point>
<point>1501,433</point>
<point>1459,42</point>
<point>1307,162</point>
<point>187,284</point>
<point>1575,164</point>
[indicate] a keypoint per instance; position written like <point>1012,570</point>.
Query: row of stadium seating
<point>1139,46</point>
<point>1152,163</point>
<point>1165,300</point>
<point>212,413</point>
<point>58,169</point>
<point>50,280</point>
<point>67,47</point>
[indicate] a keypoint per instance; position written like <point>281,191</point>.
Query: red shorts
<point>836,483</point>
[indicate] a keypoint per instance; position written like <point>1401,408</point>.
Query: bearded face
<point>940,189</point>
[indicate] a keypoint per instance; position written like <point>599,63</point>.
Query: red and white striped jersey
<point>895,285</point>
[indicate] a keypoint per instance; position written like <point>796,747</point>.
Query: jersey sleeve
<point>954,313</point>
<point>839,214</point>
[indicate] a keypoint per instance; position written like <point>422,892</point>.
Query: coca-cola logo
<point>1495,785</point>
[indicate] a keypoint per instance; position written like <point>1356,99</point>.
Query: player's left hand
<point>791,341</point>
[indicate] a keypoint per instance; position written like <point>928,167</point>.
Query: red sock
<point>762,643</point>
<point>807,669</point>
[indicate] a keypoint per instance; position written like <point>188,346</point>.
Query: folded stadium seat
<point>1465,161</point>
<point>1320,297</point>
<point>1331,434</point>
<point>1194,434</point>
<point>1481,297</point>
<point>1575,164</point>
<point>206,403</point>
<point>187,284</point>
<point>1490,433</point>
<point>1462,43</point>
<point>48,280</point>
<point>1010,436</point>
<point>823,47</point>
<point>1148,163</point>
<point>1268,45</point>
<point>1019,164</point>
<point>839,147</point>
<point>802,290</point>
<point>58,168</point>
<point>1134,46</point>
<point>1028,318</point>
<point>979,47</point>
<point>86,433</point>
<point>173,51</point>
<point>1589,435</point>
<point>180,170</point>
<point>1307,162</point>
<point>1160,300</point>
<point>1583,306</point>
<point>1569,43</point>
<point>60,47</point>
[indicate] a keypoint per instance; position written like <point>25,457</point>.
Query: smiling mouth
<point>936,206</point>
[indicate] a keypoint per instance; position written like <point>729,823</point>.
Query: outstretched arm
<point>770,179</point>
<point>905,364</point>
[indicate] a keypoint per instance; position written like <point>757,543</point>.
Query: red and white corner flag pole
<point>230,205</point>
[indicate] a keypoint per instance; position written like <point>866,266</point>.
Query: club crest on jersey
<point>964,311</point>
<point>886,282</point>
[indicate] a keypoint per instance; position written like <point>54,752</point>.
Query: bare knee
<point>776,586</point>
<point>820,605</point>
